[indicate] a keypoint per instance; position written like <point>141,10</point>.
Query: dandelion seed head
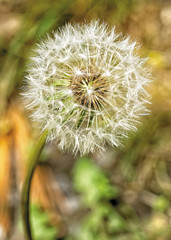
<point>86,85</point>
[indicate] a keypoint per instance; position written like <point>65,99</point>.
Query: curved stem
<point>25,196</point>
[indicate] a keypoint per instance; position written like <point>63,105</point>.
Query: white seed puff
<point>86,85</point>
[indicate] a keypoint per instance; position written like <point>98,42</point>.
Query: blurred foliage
<point>96,191</point>
<point>92,183</point>
<point>41,227</point>
<point>156,59</point>
<point>104,218</point>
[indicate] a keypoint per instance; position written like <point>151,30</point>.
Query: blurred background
<point>124,195</point>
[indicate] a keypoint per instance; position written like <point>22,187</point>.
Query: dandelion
<point>86,86</point>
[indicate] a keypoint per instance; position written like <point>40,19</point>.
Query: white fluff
<point>62,69</point>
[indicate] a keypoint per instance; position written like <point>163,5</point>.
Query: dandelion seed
<point>86,85</point>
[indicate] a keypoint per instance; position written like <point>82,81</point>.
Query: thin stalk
<point>25,196</point>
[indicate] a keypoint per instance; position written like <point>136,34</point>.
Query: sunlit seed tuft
<point>86,85</point>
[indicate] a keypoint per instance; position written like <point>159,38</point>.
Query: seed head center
<point>89,90</point>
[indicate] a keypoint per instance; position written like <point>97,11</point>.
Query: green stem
<point>25,197</point>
